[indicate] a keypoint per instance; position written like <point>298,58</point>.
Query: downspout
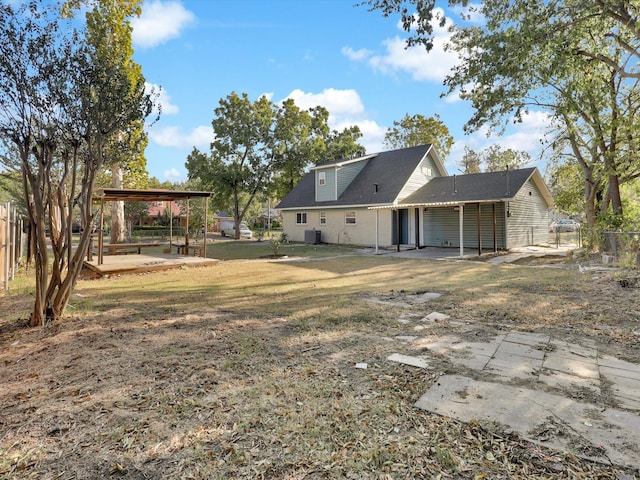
<point>377,229</point>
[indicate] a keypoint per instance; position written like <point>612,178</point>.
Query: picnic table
<point>184,249</point>
<point>114,248</point>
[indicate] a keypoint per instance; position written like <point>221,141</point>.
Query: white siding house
<point>405,197</point>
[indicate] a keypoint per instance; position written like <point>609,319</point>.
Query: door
<point>400,219</point>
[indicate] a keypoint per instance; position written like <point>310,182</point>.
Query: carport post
<point>204,245</point>
<point>100,233</point>
<point>397,210</point>
<point>461,220</point>
<point>479,230</point>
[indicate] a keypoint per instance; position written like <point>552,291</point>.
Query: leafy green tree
<point>419,130</point>
<point>153,182</point>
<point>303,138</point>
<point>243,156</point>
<point>493,159</point>
<point>342,144</point>
<point>496,159</point>
<point>108,19</point>
<point>300,137</point>
<point>576,60</point>
<point>60,104</point>
<point>262,149</point>
<point>566,185</point>
<point>471,161</point>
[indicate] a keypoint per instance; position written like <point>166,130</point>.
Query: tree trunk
<point>614,194</point>
<point>118,225</point>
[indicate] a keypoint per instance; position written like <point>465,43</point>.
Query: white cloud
<point>200,137</point>
<point>432,66</point>
<point>525,136</point>
<point>339,103</point>
<point>356,55</point>
<point>160,21</point>
<point>174,175</point>
<point>345,109</point>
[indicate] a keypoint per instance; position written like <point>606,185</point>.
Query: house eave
<point>329,207</point>
<point>342,163</point>
<point>451,203</point>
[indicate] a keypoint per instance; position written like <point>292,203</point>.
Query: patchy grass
<point>253,249</point>
<point>246,369</point>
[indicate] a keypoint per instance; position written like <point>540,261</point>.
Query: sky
<point>331,53</point>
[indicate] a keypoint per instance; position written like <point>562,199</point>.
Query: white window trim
<point>355,217</point>
<point>301,215</point>
<point>322,179</point>
<point>323,218</point>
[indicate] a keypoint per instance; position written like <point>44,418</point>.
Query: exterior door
<point>400,221</point>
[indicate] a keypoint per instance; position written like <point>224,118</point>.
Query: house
<point>165,210</point>
<point>405,197</point>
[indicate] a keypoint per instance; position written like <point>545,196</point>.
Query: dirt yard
<point>247,369</point>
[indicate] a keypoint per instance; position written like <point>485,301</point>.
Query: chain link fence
<point>623,248</point>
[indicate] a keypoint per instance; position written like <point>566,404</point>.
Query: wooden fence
<point>11,243</point>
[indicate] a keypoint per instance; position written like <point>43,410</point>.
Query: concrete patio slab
<point>580,366</point>
<point>512,366</point>
<point>617,364</point>
<point>588,431</point>
<point>510,348</point>
<point>527,338</point>
<point>567,381</point>
<point>408,360</point>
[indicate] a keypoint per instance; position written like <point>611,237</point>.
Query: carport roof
<point>475,188</point>
<point>149,195</point>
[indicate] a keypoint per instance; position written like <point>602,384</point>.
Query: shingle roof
<point>478,187</point>
<point>389,170</point>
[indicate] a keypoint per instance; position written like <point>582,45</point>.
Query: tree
<point>300,137</point>
<point>493,159</point>
<point>418,130</point>
<point>108,19</point>
<point>471,161</point>
<point>342,144</point>
<point>303,139</point>
<point>60,103</point>
<point>496,159</point>
<point>263,149</point>
<point>557,56</point>
<point>566,185</point>
<point>243,156</point>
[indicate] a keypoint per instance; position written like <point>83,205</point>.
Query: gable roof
<point>390,171</point>
<point>477,187</point>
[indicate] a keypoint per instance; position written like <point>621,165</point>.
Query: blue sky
<point>318,52</point>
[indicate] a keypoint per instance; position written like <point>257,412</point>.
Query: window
<point>350,218</point>
<point>301,218</point>
<point>322,178</point>
<point>323,218</point>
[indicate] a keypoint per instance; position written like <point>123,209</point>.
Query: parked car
<point>566,225</point>
<point>228,228</point>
